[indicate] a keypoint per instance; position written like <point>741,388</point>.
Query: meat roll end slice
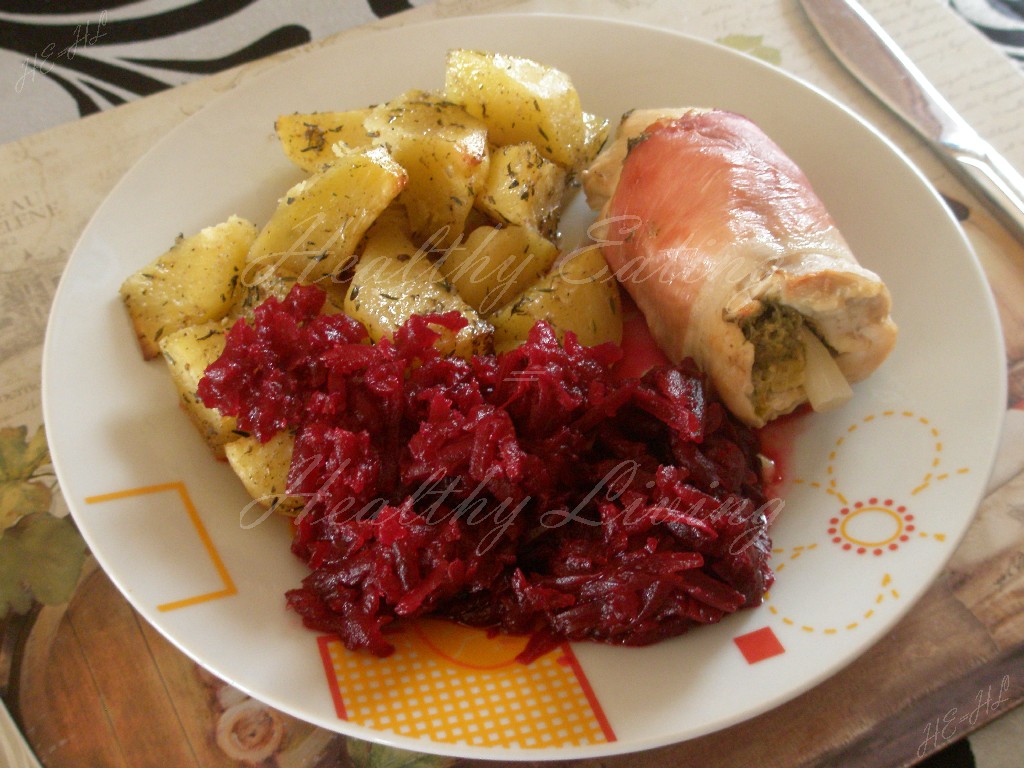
<point>735,262</point>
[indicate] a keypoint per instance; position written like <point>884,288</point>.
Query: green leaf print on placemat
<point>41,556</point>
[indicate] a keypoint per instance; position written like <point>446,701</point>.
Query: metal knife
<point>867,51</point>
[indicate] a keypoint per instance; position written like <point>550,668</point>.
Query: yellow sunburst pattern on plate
<point>871,527</point>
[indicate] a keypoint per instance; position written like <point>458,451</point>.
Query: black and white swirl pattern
<point>63,60</point>
<point>1001,21</point>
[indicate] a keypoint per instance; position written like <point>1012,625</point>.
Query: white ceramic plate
<point>878,493</point>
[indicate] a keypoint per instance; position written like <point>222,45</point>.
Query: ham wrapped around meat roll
<point>734,261</point>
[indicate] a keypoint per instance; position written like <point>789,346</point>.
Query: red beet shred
<point>531,492</point>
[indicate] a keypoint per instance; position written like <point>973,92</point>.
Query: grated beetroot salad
<point>531,492</point>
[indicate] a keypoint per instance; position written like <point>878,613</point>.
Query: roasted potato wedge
<point>263,470</point>
<point>519,100</point>
<point>579,294</point>
<point>495,264</point>
<point>188,352</point>
<point>320,221</point>
<point>444,151</point>
<point>395,280</point>
<point>308,139</point>
<point>256,289</point>
<point>523,188</point>
<point>595,134</point>
<point>194,282</point>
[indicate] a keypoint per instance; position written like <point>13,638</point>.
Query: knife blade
<point>873,57</point>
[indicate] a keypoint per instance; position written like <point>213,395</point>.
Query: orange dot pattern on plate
<point>456,685</point>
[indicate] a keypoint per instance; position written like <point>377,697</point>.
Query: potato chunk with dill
<point>316,227</point>
<point>255,291</point>
<point>523,188</point>
<point>520,100</point>
<point>188,352</point>
<point>395,280</point>
<point>308,139</point>
<point>263,470</point>
<point>595,133</point>
<point>495,264</point>
<point>197,280</point>
<point>444,151</point>
<point>578,294</point>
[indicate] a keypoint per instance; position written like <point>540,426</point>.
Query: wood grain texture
<point>105,703</point>
<point>62,713</point>
<point>1002,259</point>
<point>192,700</point>
<point>1015,385</point>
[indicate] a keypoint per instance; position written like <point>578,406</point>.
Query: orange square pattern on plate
<point>455,684</point>
<point>759,645</point>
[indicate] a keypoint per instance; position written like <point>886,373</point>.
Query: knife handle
<point>1000,186</point>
